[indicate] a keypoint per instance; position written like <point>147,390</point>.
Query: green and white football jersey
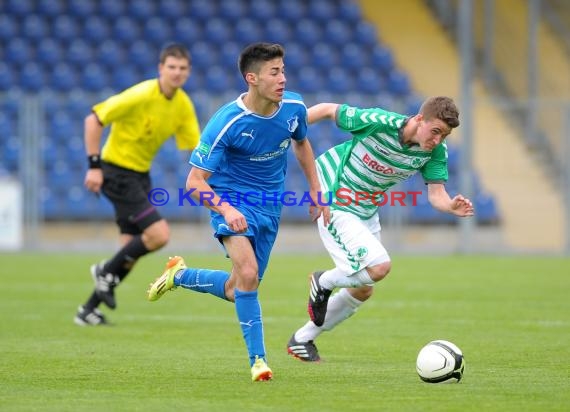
<point>374,160</point>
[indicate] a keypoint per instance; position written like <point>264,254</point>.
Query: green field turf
<point>510,316</point>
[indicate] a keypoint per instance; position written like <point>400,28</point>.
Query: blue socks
<point>203,281</point>
<point>249,316</point>
<point>247,304</point>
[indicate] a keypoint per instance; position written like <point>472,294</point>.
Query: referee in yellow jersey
<point>142,118</point>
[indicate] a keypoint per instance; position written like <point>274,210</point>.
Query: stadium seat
<point>7,77</point>
<point>142,10</point>
<point>203,10</point>
<point>32,77</point>
<point>339,80</point>
<point>94,78</point>
<point>321,11</point>
<point>279,31</point>
<point>228,56</point>
<point>65,29</point>
<point>96,30</point>
<point>381,58</point>
<point>486,211</point>
<point>263,10</point>
<point>126,30</point>
<point>398,83</point>
<point>18,52</point>
<point>217,31</point>
<point>218,80</point>
<point>308,33</point>
<point>187,31</point>
<point>79,53</point>
<point>203,55</point>
<point>7,126</point>
<point>309,80</point>
<point>78,104</point>
<point>172,9</point>
<point>109,54</point>
<point>18,8</point>
<point>50,8</point>
<point>63,78</point>
<point>124,77</point>
<point>233,11</point>
<point>8,28</point>
<point>143,55</point>
<point>291,11</point>
<point>338,33</point>
<point>324,55</point>
<point>35,27</point>
<point>157,31</point>
<point>365,34</point>
<point>49,52</point>
<point>111,9</point>
<point>61,126</point>
<point>349,12</point>
<point>81,9</point>
<point>369,81</point>
<point>247,31</point>
<point>296,57</point>
<point>354,57</point>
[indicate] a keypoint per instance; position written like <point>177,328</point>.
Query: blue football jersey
<point>247,153</point>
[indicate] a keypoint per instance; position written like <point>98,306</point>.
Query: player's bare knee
<point>380,271</point>
<point>247,278</point>
<point>362,293</point>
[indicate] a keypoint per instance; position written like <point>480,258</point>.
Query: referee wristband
<point>94,161</point>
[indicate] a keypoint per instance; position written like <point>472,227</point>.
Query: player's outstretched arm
<point>322,111</point>
<point>440,200</point>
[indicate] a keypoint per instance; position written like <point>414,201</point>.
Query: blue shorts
<point>261,232</point>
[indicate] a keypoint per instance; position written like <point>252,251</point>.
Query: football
<point>440,361</point>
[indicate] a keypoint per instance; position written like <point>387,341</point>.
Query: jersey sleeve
<point>188,134</point>
<point>435,170</point>
<point>356,120</point>
<point>211,149</point>
<point>118,105</point>
<point>300,131</point>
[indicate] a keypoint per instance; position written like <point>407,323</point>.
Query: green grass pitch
<point>510,316</point>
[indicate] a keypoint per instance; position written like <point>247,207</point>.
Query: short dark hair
<point>175,50</point>
<point>443,108</point>
<point>256,53</point>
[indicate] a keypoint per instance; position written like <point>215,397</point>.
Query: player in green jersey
<point>386,148</point>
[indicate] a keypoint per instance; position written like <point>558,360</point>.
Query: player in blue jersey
<point>238,172</point>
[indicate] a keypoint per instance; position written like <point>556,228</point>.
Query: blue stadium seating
<point>96,30</point>
<point>157,31</point>
<point>8,28</point>
<point>35,27</point>
<point>63,78</point>
<point>49,52</point>
<point>18,52</point>
<point>65,28</point>
<point>81,51</point>
<point>142,10</point>
<point>7,77</point>
<point>50,8</point>
<point>81,9</point>
<point>279,31</point>
<point>172,9</point>
<point>263,10</point>
<point>32,77</point>
<point>247,31</point>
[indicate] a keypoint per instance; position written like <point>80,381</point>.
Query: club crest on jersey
<point>416,162</point>
<point>292,124</point>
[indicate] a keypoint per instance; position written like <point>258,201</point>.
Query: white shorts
<point>353,243</point>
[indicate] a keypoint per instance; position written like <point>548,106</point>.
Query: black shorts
<point>128,192</point>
